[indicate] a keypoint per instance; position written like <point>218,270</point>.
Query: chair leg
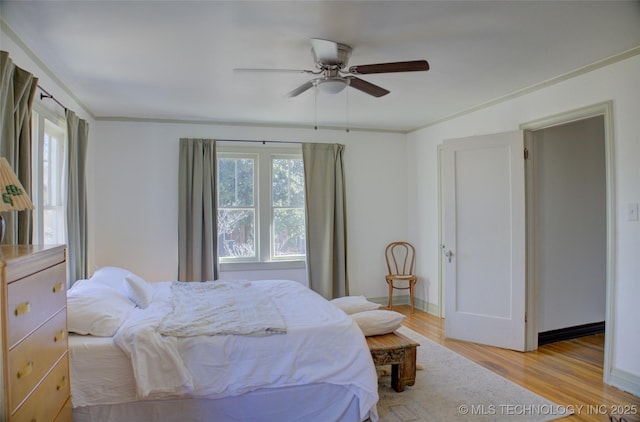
<point>411,284</point>
<point>390,283</point>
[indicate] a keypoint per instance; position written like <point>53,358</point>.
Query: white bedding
<point>100,372</point>
<point>322,345</point>
<point>103,390</point>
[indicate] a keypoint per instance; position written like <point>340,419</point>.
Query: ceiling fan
<point>332,72</point>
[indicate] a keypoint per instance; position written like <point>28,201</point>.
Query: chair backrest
<point>400,256</point>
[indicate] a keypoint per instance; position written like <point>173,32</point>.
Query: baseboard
<point>428,307</point>
<point>625,381</point>
<point>570,333</point>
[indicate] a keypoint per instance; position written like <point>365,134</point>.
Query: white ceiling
<point>175,59</point>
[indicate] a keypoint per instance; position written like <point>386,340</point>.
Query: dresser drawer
<point>48,399</point>
<point>33,299</point>
<point>66,414</point>
<point>31,359</point>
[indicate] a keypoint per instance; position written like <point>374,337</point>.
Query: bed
<point>293,356</point>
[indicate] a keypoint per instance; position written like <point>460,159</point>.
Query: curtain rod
<point>263,142</point>
<point>45,94</point>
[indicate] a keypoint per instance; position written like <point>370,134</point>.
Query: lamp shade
<point>12,195</point>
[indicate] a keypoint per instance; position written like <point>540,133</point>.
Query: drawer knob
<point>58,287</point>
<point>62,383</point>
<point>60,335</point>
<point>23,308</point>
<point>26,370</point>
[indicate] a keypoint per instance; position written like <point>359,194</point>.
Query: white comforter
<point>321,345</point>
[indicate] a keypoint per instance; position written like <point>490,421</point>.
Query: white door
<point>484,200</point>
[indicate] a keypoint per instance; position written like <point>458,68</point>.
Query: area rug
<point>452,387</point>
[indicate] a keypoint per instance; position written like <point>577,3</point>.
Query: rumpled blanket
<point>220,307</point>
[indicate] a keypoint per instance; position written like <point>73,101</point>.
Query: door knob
<point>448,254</point>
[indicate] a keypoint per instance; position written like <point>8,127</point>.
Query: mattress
<point>100,372</point>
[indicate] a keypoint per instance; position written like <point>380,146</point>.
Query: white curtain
<point>325,219</point>
<point>197,226</point>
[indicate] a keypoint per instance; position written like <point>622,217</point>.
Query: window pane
<point>288,232</point>
<point>53,226</point>
<point>236,236</point>
<point>287,201</point>
<point>287,182</point>
<point>235,182</point>
<point>48,179</point>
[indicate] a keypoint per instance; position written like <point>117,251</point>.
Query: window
<point>48,181</point>
<point>260,205</point>
<point>237,206</point>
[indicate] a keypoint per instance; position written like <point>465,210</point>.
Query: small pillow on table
<point>354,304</point>
<point>378,322</point>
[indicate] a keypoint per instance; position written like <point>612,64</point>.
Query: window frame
<point>269,202</point>
<point>264,259</point>
<point>256,205</point>
<point>41,119</point>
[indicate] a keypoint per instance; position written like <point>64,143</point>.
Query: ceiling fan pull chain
<point>347,110</point>
<point>315,108</point>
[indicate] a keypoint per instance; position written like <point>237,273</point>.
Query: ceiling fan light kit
<point>332,85</point>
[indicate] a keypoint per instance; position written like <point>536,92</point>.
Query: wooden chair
<point>400,259</point>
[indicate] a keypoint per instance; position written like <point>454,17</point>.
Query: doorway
<point>603,110</point>
<point>599,117</point>
<point>567,187</point>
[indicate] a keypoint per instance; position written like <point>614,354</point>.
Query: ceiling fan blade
<point>410,66</point>
<point>367,87</point>
<point>258,70</point>
<point>299,90</point>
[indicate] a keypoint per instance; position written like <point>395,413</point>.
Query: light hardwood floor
<point>568,372</point>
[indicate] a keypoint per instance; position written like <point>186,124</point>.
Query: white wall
<point>134,204</point>
<point>618,82</point>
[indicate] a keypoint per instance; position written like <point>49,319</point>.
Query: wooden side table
<point>398,351</point>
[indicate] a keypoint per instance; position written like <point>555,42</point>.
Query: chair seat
<point>401,277</point>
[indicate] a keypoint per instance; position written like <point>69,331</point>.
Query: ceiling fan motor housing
<point>329,53</point>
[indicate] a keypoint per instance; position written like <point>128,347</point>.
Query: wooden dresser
<point>34,348</point>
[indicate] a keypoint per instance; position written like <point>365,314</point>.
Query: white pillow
<point>96,309</point>
<point>111,276</point>
<point>139,291</point>
<point>354,304</point>
<point>378,322</point>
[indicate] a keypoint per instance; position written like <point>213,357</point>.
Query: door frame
<point>600,109</point>
<point>441,244</point>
